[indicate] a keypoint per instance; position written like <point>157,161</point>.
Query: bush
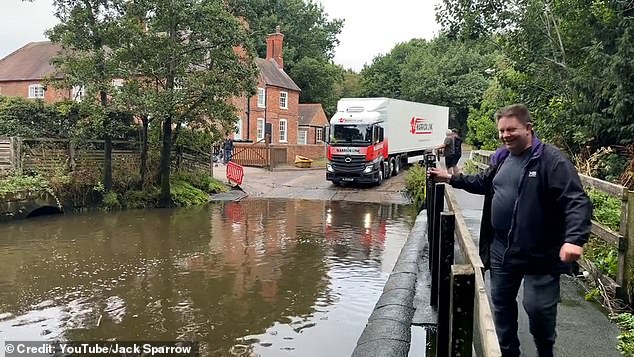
<point>111,201</point>
<point>141,198</point>
<point>184,194</point>
<point>607,209</point>
<point>415,181</point>
<point>201,180</point>
<point>626,339</point>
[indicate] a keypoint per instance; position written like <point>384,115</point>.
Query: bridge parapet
<point>23,204</point>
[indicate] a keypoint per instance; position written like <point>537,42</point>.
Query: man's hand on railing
<point>439,175</point>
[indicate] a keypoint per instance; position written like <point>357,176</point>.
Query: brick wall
<point>21,89</point>
<point>273,114</point>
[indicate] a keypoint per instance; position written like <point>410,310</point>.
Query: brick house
<point>276,101</point>
<point>22,73</point>
<point>312,120</point>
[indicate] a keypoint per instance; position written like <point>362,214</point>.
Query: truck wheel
<point>336,183</point>
<point>397,165</point>
<point>391,168</point>
<point>379,181</point>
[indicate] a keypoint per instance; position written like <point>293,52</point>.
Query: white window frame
<point>261,97</point>
<point>283,130</point>
<point>77,93</point>
<point>284,100</point>
<point>260,129</point>
<point>117,83</point>
<point>319,134</point>
<point>238,132</point>
<point>36,91</point>
<point>302,136</point>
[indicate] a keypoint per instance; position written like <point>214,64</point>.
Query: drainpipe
<point>249,117</point>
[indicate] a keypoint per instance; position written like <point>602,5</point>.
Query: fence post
<point>461,320</point>
<point>439,203</point>
<point>18,156</point>
<point>628,233</point>
<point>446,255</point>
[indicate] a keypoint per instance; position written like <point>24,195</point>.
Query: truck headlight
<point>329,168</point>
<point>368,169</point>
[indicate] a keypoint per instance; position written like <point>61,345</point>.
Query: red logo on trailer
<point>420,126</point>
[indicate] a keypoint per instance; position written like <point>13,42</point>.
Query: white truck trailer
<point>369,139</point>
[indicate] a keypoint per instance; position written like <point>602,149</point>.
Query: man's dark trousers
<point>541,295</point>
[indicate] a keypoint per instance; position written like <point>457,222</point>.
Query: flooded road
<point>266,277</point>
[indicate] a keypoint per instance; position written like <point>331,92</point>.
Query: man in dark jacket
<point>228,149</point>
<point>535,221</point>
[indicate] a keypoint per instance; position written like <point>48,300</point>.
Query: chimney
<point>274,47</point>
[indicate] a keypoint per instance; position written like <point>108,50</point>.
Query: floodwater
<point>250,278</point>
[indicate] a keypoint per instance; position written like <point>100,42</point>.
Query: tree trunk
<point>166,150</point>
<point>144,150</point>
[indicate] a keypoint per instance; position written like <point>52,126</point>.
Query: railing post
<point>446,259</point>
<point>461,320</point>
<point>629,246</point>
<point>439,203</point>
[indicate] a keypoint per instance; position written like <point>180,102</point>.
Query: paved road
<point>289,182</point>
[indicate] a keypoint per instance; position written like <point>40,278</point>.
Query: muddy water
<point>259,277</point>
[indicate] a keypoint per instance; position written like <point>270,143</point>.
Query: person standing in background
<point>228,149</point>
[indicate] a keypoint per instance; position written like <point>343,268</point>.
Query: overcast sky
<point>371,27</point>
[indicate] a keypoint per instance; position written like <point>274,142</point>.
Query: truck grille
<point>356,164</point>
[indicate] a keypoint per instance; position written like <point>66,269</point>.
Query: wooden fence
<point>47,156</point>
<point>623,240</point>
<point>465,321</point>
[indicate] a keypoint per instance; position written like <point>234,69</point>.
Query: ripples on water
<point>259,277</point>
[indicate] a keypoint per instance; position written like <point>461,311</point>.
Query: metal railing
<point>465,322</point>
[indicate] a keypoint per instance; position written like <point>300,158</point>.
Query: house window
<point>77,93</point>
<point>261,98</point>
<point>283,130</point>
<point>284,100</point>
<point>260,127</point>
<point>319,134</point>
<point>36,91</point>
<point>302,136</point>
<point>238,133</point>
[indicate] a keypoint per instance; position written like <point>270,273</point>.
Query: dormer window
<point>284,100</point>
<point>36,91</point>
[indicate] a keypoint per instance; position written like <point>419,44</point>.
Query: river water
<point>256,277</point>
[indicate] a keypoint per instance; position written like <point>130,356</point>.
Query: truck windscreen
<point>346,133</point>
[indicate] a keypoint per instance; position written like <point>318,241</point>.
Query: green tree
<point>309,42</point>
<point>91,33</point>
<point>318,79</point>
<point>190,57</point>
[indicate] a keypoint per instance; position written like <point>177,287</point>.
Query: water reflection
<point>259,277</point>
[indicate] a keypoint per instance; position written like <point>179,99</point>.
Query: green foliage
<point>483,133</point>
<point>593,294</point>
<point>140,198</point>
<point>603,255</point>
<point>36,119</point>
<point>626,339</point>
<point>415,181</point>
<point>607,209</point>
<point>201,180</point>
<point>110,201</point>
<point>184,194</point>
<point>470,167</point>
<point>317,78</point>
<point>21,183</point>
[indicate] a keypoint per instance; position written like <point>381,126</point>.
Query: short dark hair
<point>517,111</point>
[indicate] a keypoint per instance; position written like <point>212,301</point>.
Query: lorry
<point>370,139</point>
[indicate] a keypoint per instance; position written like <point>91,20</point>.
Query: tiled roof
<point>30,62</point>
<point>272,75</point>
<point>308,112</point>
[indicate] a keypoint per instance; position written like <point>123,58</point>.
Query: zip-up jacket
<point>551,209</point>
